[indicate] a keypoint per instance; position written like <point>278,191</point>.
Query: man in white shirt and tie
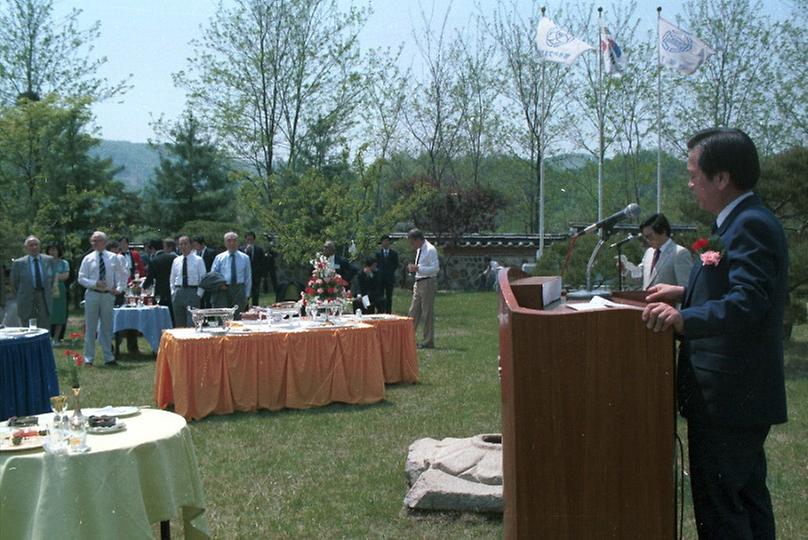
<point>426,269</point>
<point>186,273</point>
<point>103,275</point>
<point>234,266</point>
<point>664,261</point>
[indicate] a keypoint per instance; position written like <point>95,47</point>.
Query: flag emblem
<point>676,41</point>
<point>557,37</point>
<point>681,50</point>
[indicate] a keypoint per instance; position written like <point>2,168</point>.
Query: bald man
<point>32,281</point>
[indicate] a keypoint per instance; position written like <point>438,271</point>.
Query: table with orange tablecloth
<point>399,357</point>
<point>203,374</point>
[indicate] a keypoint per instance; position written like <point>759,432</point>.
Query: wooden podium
<point>587,419</point>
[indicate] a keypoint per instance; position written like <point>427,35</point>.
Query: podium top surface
<point>521,293</point>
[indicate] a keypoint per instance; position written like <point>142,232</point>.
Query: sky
<point>150,39</point>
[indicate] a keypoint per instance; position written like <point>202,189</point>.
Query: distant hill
<point>137,159</point>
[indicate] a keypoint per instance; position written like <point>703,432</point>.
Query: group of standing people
<point>186,273</point>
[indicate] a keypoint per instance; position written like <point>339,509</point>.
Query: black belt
<point>422,279</point>
<point>188,287</point>
<point>99,291</point>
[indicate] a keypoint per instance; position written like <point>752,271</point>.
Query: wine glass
<point>58,404</point>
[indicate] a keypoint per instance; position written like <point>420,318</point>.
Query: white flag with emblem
<point>558,45</point>
<point>679,49</point>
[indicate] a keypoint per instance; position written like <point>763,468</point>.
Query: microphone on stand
<point>629,212</point>
<point>625,240</point>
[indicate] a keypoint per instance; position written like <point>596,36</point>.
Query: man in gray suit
<point>32,281</point>
<point>664,261</point>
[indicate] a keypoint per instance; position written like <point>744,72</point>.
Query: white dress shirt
<point>196,269</point>
<point>428,264</point>
<point>727,210</point>
<point>116,275</point>
<point>221,264</point>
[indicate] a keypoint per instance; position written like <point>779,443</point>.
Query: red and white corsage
<point>710,250</point>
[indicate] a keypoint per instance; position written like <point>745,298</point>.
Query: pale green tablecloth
<point>127,482</point>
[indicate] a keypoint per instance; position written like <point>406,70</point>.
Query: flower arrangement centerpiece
<point>326,290</point>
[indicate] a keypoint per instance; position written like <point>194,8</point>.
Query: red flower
<point>79,360</point>
<point>68,353</point>
<point>331,290</point>
<point>309,290</point>
<point>76,335</point>
<point>700,244</point>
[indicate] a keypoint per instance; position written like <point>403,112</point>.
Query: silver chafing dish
<point>213,320</point>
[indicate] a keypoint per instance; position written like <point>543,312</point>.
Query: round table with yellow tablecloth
<point>125,484</point>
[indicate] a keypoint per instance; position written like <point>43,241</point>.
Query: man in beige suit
<point>664,261</point>
<point>425,268</point>
<point>32,281</point>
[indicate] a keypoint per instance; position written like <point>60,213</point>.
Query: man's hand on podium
<point>660,316</point>
<point>671,294</point>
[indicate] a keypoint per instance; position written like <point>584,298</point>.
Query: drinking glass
<point>32,324</point>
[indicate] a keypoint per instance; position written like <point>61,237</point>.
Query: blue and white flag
<point>613,59</point>
<point>679,49</point>
<point>558,45</point>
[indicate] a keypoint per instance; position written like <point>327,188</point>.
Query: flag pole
<point>543,114</point>
<point>659,121</point>
<point>600,115</point>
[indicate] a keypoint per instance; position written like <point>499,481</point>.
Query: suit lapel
<point>694,275</point>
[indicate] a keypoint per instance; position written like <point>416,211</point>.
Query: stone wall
<point>461,267</point>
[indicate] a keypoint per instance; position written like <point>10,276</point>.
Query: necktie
<point>656,258</point>
<point>233,279</point>
<point>37,274</point>
<point>102,268</point>
<point>184,271</point>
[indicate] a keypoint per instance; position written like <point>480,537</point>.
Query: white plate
<point>118,412</point>
<point>14,330</point>
<point>100,430</point>
<point>30,443</point>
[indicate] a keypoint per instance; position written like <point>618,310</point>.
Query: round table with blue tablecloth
<point>148,320</point>
<point>27,372</point>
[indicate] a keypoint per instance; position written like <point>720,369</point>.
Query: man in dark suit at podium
<point>730,378</point>
<point>387,262</point>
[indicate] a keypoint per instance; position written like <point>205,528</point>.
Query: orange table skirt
<point>399,357</point>
<point>274,370</point>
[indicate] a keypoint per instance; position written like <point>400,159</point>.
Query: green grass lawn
<point>338,471</point>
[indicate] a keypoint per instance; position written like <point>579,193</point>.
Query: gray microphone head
<point>632,210</point>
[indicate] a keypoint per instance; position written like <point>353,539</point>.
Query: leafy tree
<point>734,86</point>
<point>782,187</point>
<point>536,91</point>
<point>40,54</point>
<point>52,186</point>
<point>335,202</point>
<point>193,180</point>
<point>791,90</point>
<point>434,115</point>
<point>267,74</point>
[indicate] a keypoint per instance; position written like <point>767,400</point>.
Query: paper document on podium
<point>598,303</point>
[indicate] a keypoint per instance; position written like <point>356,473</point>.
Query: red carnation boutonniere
<point>710,250</point>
